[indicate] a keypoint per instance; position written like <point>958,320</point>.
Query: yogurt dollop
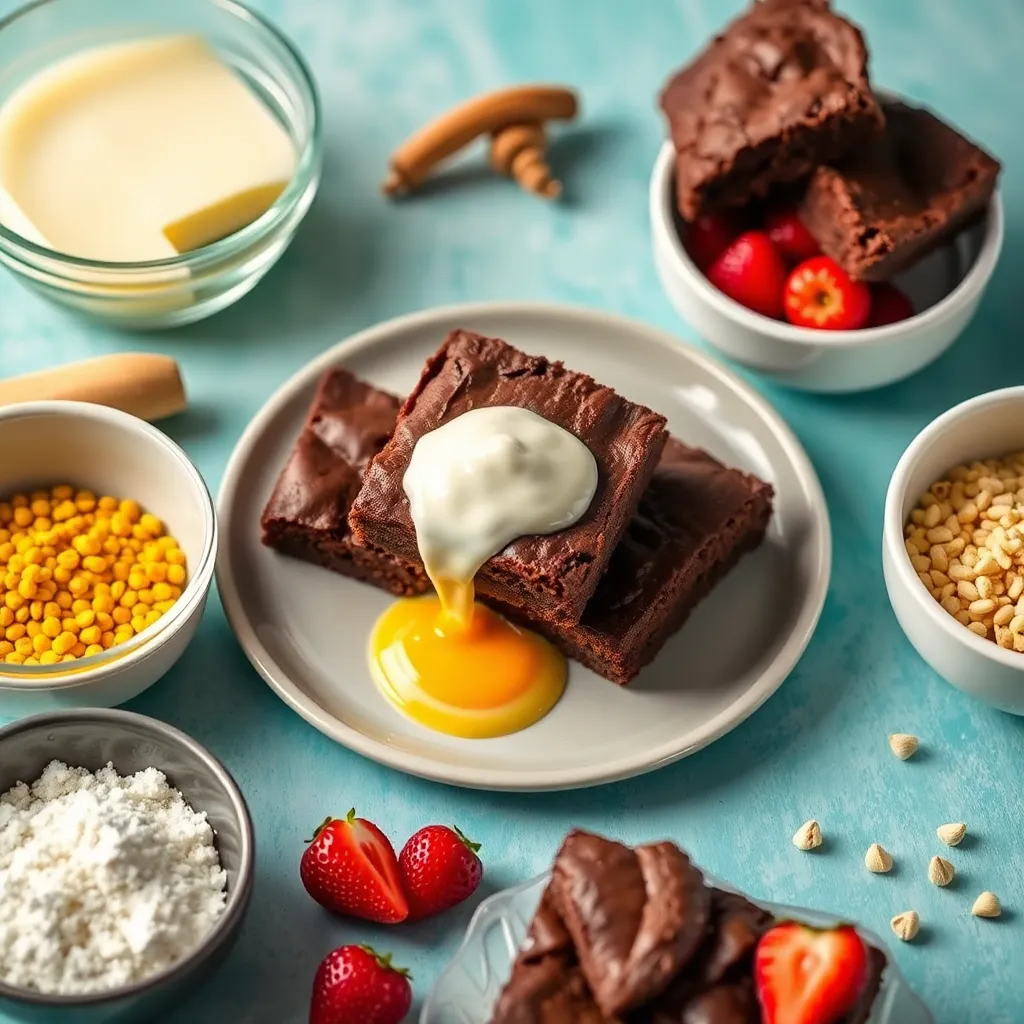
<point>487,477</point>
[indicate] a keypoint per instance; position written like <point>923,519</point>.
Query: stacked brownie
<point>783,96</point>
<point>666,522</point>
<point>637,935</point>
<point>307,514</point>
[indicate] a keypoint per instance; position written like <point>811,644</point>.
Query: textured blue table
<point>818,748</point>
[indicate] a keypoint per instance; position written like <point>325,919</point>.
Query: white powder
<point>104,880</point>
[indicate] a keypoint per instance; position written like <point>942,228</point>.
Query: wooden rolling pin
<point>141,383</point>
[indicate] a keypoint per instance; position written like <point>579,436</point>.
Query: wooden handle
<point>141,383</point>
<point>522,104</point>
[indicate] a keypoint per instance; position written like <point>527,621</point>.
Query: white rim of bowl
<point>498,779</point>
<point>666,238</point>
<point>88,670</point>
<point>893,526</point>
<point>237,898</point>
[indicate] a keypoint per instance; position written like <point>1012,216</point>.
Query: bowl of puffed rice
<point>953,546</point>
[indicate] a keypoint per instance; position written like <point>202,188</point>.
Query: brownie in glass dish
<point>904,194</point>
<point>307,514</point>
<point>550,578</point>
<point>638,935</point>
<point>783,89</point>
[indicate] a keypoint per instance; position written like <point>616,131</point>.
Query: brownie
<point>635,916</point>
<point>552,577</point>
<point>782,90</point>
<point>604,897</point>
<point>907,192</point>
<point>547,985</point>
<point>306,516</point>
<point>695,520</point>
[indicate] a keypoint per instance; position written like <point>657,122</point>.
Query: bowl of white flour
<point>126,866</point>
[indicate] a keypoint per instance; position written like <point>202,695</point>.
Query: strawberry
<point>439,868</point>
<point>819,293</point>
<point>353,984</point>
<point>350,868</point>
<point>709,236</point>
<point>807,976</point>
<point>751,272</point>
<point>789,234</point>
<point>888,305</point>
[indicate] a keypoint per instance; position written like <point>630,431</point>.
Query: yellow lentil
<point>80,574</point>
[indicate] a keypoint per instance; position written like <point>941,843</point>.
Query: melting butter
<point>485,478</point>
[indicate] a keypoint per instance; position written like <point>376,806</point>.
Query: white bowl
<point>109,452</point>
<point>946,286</point>
<point>988,426</point>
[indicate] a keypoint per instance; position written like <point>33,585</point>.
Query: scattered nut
<point>987,905</point>
<point>906,925</point>
<point>877,859</point>
<point>903,744</point>
<point>807,836</point>
<point>951,834</point>
<point>940,871</point>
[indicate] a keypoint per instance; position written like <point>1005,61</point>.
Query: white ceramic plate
<point>304,628</point>
<point>469,987</point>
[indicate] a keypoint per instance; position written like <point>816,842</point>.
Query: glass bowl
<point>196,284</point>
<point>469,987</point>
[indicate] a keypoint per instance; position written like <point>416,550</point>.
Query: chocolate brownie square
<point>307,514</point>
<point>909,191</point>
<point>552,576</point>
<point>782,90</point>
<point>695,520</point>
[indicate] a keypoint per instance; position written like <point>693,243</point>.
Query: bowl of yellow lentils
<point>108,539</point>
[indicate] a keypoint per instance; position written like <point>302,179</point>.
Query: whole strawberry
<point>350,868</point>
<point>789,235</point>
<point>709,236</point>
<point>888,305</point>
<point>354,985</point>
<point>440,868</point>
<point>820,294</point>
<point>751,272</point>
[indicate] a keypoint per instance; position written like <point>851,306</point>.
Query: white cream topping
<point>489,476</point>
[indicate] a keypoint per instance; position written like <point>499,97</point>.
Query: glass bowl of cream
<point>156,159</point>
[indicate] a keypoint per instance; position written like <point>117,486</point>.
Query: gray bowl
<point>89,738</point>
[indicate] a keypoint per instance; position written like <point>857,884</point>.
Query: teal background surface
<point>819,747</point>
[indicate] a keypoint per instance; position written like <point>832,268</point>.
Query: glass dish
<point>185,288</point>
<point>469,987</point>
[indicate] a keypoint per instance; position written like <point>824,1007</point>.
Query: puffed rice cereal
<point>965,540</point>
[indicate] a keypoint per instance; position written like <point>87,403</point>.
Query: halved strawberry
<point>350,868</point>
<point>809,976</point>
